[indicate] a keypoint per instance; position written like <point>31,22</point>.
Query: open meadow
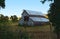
<point>11,30</point>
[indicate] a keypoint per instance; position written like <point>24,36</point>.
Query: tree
<point>2,3</point>
<point>1,18</point>
<point>54,14</point>
<point>14,18</point>
<point>6,18</point>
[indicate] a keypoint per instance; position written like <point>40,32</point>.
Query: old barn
<point>32,18</point>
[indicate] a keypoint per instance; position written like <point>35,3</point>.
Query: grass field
<point>13,31</point>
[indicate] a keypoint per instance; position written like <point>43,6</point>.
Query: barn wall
<point>29,23</point>
<point>37,23</point>
<point>22,22</point>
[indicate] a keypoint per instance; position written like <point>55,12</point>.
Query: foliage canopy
<point>2,3</point>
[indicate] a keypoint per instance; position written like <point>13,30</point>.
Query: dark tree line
<point>3,18</point>
<point>14,18</point>
<point>54,15</point>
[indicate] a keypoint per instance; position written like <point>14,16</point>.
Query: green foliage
<point>6,18</point>
<point>19,25</point>
<point>51,14</point>
<point>54,14</point>
<point>45,1</point>
<point>2,3</point>
<point>3,18</point>
<point>14,18</point>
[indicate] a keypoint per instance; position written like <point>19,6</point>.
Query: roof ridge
<point>31,12</point>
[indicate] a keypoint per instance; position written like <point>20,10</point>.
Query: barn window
<point>26,18</point>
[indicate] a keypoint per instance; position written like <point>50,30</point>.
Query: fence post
<point>51,27</point>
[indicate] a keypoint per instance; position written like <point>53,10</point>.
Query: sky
<point>15,7</point>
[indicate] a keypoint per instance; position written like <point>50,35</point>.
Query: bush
<point>20,25</point>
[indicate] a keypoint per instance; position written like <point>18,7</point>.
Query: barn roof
<point>39,19</point>
<point>30,12</point>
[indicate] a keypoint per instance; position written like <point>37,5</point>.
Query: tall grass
<point>9,31</point>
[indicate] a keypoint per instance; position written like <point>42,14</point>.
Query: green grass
<point>11,30</point>
<point>36,28</point>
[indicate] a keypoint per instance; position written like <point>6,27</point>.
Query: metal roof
<point>39,19</point>
<point>30,12</point>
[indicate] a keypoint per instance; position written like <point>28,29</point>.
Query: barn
<point>32,18</point>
